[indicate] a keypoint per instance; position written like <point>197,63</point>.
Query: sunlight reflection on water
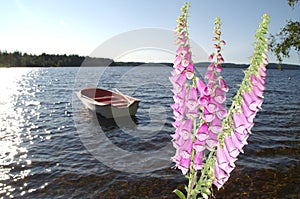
<point>12,152</point>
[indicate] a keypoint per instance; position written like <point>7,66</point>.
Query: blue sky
<point>79,27</point>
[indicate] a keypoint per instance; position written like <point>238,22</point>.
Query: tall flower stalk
<point>246,103</point>
<point>207,138</point>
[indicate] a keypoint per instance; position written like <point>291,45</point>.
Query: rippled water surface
<point>52,147</point>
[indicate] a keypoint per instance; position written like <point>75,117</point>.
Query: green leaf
<point>179,194</point>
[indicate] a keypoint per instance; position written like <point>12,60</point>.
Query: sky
<point>80,27</point>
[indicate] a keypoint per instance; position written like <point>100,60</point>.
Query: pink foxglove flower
<point>253,101</point>
<point>219,68</point>
<point>219,96</point>
<point>200,86</point>
<point>247,102</point>
<point>202,132</point>
<point>190,71</point>
<point>223,85</point>
<point>216,125</point>
<point>240,122</point>
<point>197,164</point>
<point>211,56</point>
<point>211,67</point>
<point>207,116</point>
<point>224,133</point>
<point>192,99</point>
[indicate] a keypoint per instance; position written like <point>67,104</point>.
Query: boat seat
<point>113,100</point>
<point>106,98</point>
<point>121,105</point>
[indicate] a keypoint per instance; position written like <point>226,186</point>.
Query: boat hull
<point>107,103</point>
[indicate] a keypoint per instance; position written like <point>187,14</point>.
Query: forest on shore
<point>19,59</point>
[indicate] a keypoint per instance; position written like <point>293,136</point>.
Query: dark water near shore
<point>50,144</point>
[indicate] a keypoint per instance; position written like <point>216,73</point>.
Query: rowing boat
<point>107,103</point>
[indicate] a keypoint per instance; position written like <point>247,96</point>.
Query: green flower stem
<point>207,176</point>
<point>193,174</point>
<point>257,59</point>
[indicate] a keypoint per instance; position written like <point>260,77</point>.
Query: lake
<point>53,147</point>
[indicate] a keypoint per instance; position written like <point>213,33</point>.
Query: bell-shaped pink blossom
<point>178,110</point>
<point>231,160</point>
<point>232,149</point>
<point>207,116</point>
<point>261,79</point>
<point>185,62</point>
<point>253,101</point>
<point>211,67</point>
<point>202,132</point>
<point>223,85</point>
<point>177,61</point>
<point>222,160</point>
<point>187,146</point>
<point>200,86</point>
<point>187,55</point>
<point>208,90</point>
<point>239,145</point>
<point>203,101</point>
<point>208,74</point>
<point>192,113</point>
<point>263,66</point>
<point>220,175</point>
<point>184,165</point>
<point>216,125</point>
<point>187,129</point>
<point>221,60</point>
<point>190,71</point>
<point>218,68</point>
<point>242,137</point>
<point>219,95</point>
<point>221,112</point>
<point>212,106</point>
<point>182,94</point>
<point>222,42</point>
<point>178,81</point>
<point>249,114</point>
<point>218,183</point>
<point>212,140</point>
<point>254,79</point>
<point>211,76</point>
<point>179,69</point>
<point>199,145</point>
<point>219,56</point>
<point>257,91</point>
<point>198,161</point>
<point>257,85</point>
<point>240,122</point>
<point>211,56</point>
<point>265,61</point>
<point>261,87</point>
<point>261,72</point>
<point>191,102</point>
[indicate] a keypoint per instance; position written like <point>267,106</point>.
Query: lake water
<point>52,147</point>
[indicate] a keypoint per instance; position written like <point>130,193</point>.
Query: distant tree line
<point>17,59</point>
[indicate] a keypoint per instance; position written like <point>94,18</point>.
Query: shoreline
<point>145,64</point>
